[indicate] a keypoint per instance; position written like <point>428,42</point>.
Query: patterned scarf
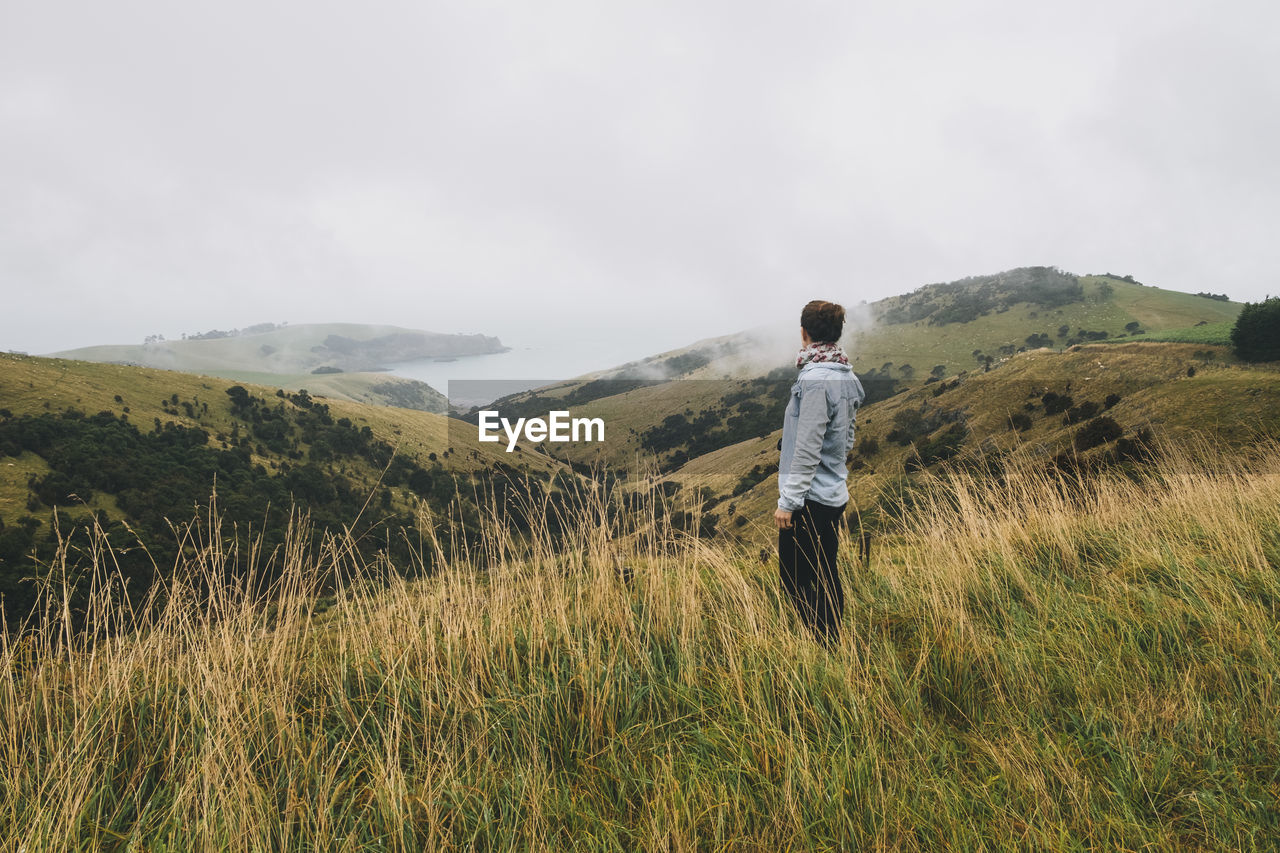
<point>819,352</point>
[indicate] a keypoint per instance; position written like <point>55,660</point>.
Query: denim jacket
<point>817,435</point>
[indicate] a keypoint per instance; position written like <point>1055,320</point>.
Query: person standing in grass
<point>817,436</point>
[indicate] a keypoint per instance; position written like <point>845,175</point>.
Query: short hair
<point>824,321</point>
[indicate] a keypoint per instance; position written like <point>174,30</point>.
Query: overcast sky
<point>652,171</point>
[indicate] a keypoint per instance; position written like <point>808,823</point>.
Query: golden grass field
<point>1029,661</point>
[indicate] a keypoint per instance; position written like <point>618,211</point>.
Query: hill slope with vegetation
<point>289,349</point>
<point>941,329</point>
<point>976,321</point>
<point>713,440</point>
<point>341,360</point>
<point>132,451</point>
<point>718,439</point>
<point>1028,661</point>
<point>1088,406</point>
<point>715,393</point>
<point>381,633</point>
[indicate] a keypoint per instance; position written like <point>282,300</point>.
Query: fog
<point>645,174</point>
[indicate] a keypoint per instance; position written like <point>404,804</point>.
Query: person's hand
<point>782,518</point>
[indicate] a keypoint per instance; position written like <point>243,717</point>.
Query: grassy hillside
<point>958,324</point>
<point>1105,305</point>
<point>1203,332</point>
<point>291,349</point>
<point>375,389</point>
<point>972,417</point>
<point>134,451</point>
<point>32,385</point>
<point>1026,663</point>
<point>730,387</point>
<point>629,414</point>
<point>716,439</point>
<point>382,633</point>
<point>719,438</point>
<point>286,356</point>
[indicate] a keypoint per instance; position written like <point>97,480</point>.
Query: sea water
<point>527,364</point>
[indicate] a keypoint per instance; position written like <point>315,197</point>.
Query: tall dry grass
<point>1030,661</point>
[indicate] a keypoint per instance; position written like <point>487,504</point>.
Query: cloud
<point>662,171</point>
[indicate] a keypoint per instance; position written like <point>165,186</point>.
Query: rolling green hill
<point>145,448</point>
<point>291,349</point>
<point>1153,393</point>
<point>686,406</point>
<point>705,419</point>
<point>956,326</point>
<point>1102,308</point>
<point>1063,637</point>
<point>1023,664</point>
<point>1034,403</point>
<point>340,360</point>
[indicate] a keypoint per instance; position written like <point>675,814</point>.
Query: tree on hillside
<point>1039,339</point>
<point>1256,335</point>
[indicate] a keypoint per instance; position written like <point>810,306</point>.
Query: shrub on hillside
<point>1140,448</point>
<point>756,475</point>
<point>1097,432</point>
<point>1039,339</point>
<point>1056,404</point>
<point>942,446</point>
<point>1079,413</point>
<point>908,424</point>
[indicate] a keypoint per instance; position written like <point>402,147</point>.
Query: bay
<point>480,379</point>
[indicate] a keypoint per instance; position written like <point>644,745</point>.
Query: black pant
<point>807,553</point>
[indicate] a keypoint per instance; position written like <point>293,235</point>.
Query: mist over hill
<point>341,360</point>
<point>943,328</point>
<point>697,400</point>
<point>284,349</point>
<point>1026,358</point>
